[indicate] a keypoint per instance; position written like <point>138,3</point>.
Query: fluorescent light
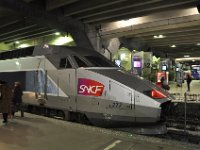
<point>24,45</point>
<point>16,42</point>
<point>187,59</point>
<point>63,40</point>
<point>57,33</point>
<point>173,45</point>
<point>17,63</point>
<point>45,46</point>
<point>128,22</point>
<point>186,56</point>
<point>160,36</point>
<point>198,44</point>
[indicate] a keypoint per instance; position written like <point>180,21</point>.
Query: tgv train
<point>82,85</point>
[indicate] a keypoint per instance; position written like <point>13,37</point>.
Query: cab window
<point>64,63</point>
<point>99,61</point>
<point>80,62</point>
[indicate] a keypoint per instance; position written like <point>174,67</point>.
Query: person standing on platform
<point>17,99</point>
<point>188,79</point>
<point>5,100</point>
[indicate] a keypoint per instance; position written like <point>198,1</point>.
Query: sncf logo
<point>89,87</point>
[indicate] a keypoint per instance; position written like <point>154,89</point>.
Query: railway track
<point>192,125</point>
<point>181,135</point>
<point>174,134</point>
<point>175,124</point>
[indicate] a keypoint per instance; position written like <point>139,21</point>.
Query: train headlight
<point>157,94</point>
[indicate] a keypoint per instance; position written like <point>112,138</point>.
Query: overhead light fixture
<point>186,56</point>
<point>187,59</point>
<point>159,36</point>
<point>16,42</point>
<point>173,45</point>
<point>24,45</point>
<point>198,44</point>
<point>63,40</point>
<point>128,22</point>
<point>57,33</point>
<point>17,63</point>
<point>45,46</point>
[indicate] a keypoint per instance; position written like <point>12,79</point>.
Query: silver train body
<point>81,83</point>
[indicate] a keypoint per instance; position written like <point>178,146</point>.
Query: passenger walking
<point>188,79</point>
<point>5,100</point>
<point>17,99</point>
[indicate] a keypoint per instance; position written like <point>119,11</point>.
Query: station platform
<point>34,132</point>
<point>179,91</point>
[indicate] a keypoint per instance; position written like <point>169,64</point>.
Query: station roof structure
<point>171,27</point>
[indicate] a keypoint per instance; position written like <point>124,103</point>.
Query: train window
<point>99,62</point>
<point>64,63</point>
<point>80,62</point>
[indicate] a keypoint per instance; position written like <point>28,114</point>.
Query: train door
<point>82,101</point>
<point>67,82</point>
<point>64,79</point>
<point>123,96</point>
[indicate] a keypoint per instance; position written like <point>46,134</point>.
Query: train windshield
<point>97,61</point>
<point>80,62</point>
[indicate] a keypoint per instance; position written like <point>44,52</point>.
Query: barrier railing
<point>195,97</point>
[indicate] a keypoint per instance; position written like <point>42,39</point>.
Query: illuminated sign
<point>164,68</point>
<point>90,87</point>
<point>137,64</point>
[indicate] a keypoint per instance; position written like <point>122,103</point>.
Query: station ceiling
<point>25,19</point>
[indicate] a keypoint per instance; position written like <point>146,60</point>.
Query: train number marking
<point>115,105</point>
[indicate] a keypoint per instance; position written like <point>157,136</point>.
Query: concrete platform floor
<point>40,133</point>
<point>194,87</point>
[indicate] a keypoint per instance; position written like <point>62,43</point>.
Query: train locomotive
<point>81,85</point>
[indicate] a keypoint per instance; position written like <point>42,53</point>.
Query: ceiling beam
<point>176,49</point>
<point>25,33</point>
<point>156,26</point>
<point>75,28</point>
<point>115,7</point>
<point>177,43</point>
<point>88,5</point>
<point>6,21</point>
<point>172,32</point>
<point>174,37</point>
<point>140,10</point>
<point>174,53</point>
<point>53,4</point>
<point>17,27</point>
<point>35,12</point>
<point>32,36</point>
